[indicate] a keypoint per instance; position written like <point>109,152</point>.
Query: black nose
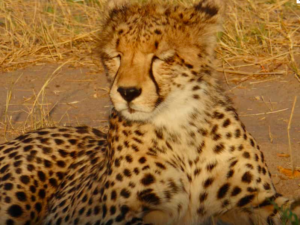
<point>129,93</point>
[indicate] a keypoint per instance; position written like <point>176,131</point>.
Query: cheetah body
<point>176,151</point>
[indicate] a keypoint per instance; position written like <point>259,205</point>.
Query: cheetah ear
<point>112,4</point>
<point>210,16</point>
<point>210,8</point>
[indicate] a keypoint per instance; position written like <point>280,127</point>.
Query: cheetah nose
<point>129,93</point>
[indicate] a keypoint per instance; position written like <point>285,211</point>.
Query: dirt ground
<point>76,96</point>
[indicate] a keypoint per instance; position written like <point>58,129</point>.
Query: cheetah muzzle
<point>176,151</point>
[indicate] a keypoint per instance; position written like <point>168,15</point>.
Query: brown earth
<point>76,96</point>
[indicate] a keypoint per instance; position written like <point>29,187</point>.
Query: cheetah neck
<point>181,123</point>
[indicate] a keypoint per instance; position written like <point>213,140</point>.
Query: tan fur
<point>176,151</point>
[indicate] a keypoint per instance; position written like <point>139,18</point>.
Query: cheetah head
<point>158,56</point>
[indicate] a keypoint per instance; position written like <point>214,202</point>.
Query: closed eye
<point>166,56</point>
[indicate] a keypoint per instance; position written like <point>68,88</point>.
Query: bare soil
<point>76,97</point>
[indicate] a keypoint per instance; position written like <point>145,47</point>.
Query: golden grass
<point>33,31</point>
<point>261,38</point>
<point>264,33</point>
<point>257,32</point>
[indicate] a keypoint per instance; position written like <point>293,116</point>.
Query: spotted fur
<point>176,151</point>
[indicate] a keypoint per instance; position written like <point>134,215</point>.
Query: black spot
<point>160,165</point>
<point>252,142</point>
<point>250,189</point>
<point>104,210</point>
<point>113,195</point>
<point>119,177</point>
<point>15,211</point>
<point>125,193</point>
<point>6,177</point>
<point>53,182</point>
<point>28,148</point>
<point>203,197</point>
<point>219,148</point>
<point>117,162</point>
<point>249,166</point>
<point>211,166</point>
<point>112,210</point>
<point>157,31</point>
<point>42,194</point>
<point>8,186</point>
<point>267,186</point>
<point>218,115</point>
<point>62,153</point>
<point>21,196</point>
<point>196,88</point>
<point>156,44</point>
<point>128,158</point>
<point>124,210</point>
<point>241,147</point>
<point>46,150</point>
<point>225,203</point>
<point>18,163</point>
<point>201,210</point>
<point>226,123</point>
<point>237,133</point>
<point>120,31</point>
<point>148,196</point>
<point>230,173</point>
<point>72,141</point>
<point>236,191</point>
<point>58,141</point>
<point>148,179</point>
<point>142,160</point>
<point>25,179</point>
<point>127,173</point>
<point>208,182</point>
<point>10,222</point>
<point>61,163</point>
<point>97,132</point>
<point>110,222</point>
<point>189,66</point>
<point>47,163</point>
<point>233,163</point>
<point>228,135</point>
<point>223,190</point>
<point>4,169</point>
<point>245,200</point>
<point>41,176</point>
<point>159,134</point>
<point>27,140</point>
<point>7,199</point>
<point>246,155</point>
<point>196,96</point>
<point>247,177</point>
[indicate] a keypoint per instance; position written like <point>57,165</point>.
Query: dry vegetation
<point>261,38</point>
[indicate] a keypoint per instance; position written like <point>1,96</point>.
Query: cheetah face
<point>154,60</point>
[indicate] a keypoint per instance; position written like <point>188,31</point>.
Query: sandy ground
<point>76,96</point>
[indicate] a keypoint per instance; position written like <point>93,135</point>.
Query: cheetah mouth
<point>131,110</point>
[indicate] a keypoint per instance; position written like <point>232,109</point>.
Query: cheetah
<point>176,151</point>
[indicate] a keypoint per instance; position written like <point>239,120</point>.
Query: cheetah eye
<point>108,57</point>
<point>165,56</point>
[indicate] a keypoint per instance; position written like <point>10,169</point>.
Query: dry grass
<point>257,32</point>
<point>261,38</point>
<point>33,31</point>
<point>262,33</point>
